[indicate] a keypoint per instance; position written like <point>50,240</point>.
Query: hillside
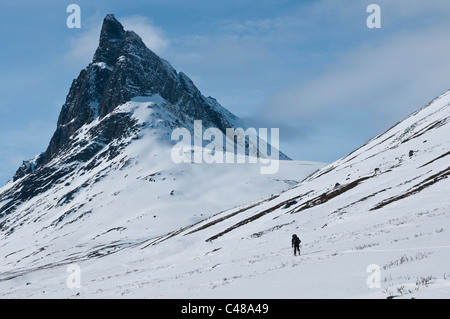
<point>382,207</point>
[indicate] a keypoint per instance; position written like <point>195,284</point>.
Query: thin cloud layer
<point>153,37</point>
<point>399,73</point>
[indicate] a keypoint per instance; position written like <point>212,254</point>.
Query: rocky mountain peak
<point>111,39</point>
<point>122,68</point>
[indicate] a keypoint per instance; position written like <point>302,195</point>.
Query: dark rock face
<point>111,38</point>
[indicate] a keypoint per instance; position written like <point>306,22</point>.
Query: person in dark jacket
<point>296,244</point>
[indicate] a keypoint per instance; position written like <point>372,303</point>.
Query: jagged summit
<point>123,68</point>
<point>111,38</point>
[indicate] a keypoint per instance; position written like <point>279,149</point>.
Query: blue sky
<point>312,68</point>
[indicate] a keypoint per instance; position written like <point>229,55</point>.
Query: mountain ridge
<point>123,68</point>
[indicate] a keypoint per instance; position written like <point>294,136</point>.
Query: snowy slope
<point>110,203</point>
<point>384,207</point>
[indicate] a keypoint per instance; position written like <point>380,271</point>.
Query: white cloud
<point>153,37</point>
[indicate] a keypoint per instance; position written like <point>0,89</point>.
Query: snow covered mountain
<point>126,90</point>
<point>374,224</point>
